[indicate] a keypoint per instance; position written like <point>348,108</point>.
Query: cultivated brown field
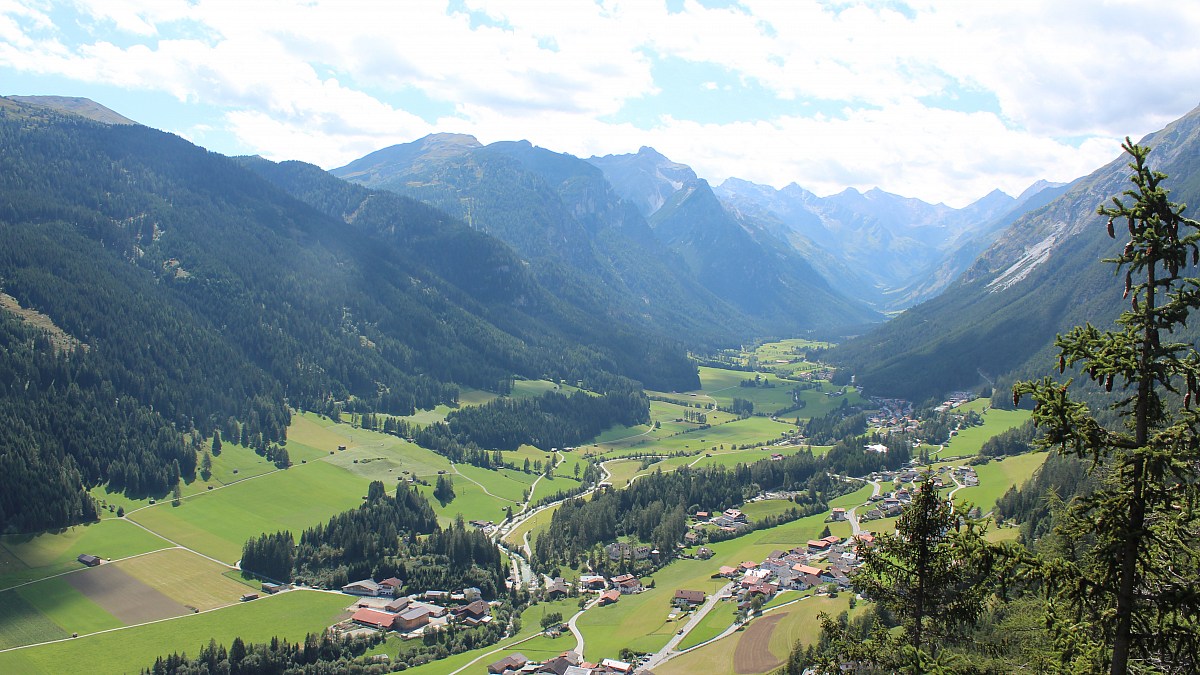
<point>752,654</point>
<point>126,598</point>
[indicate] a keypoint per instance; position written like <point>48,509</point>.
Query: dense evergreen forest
<point>387,536</point>
<point>188,295</point>
<point>323,654</point>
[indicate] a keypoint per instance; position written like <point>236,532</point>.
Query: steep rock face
<point>646,179</point>
<point>1040,277</point>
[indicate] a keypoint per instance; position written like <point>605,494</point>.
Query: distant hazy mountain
<point>1041,276</point>
<point>646,179</point>
<point>880,248</point>
<point>580,236</point>
<point>740,261</point>
<point>898,250</point>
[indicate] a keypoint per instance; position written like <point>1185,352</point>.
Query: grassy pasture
<point>969,441</point>
<point>623,471</point>
<point>533,525</point>
<point>67,607</point>
<point>22,624</point>
<point>30,557</point>
<point>506,484</point>
<point>547,487</point>
<point>288,615</point>
<point>996,477</point>
<point>470,501</point>
<point>219,523</point>
<point>713,623</point>
<point>185,577</point>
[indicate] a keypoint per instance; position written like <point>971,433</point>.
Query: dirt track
<point>752,654</point>
<point>124,597</point>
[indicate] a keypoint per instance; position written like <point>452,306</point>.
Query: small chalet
<point>511,662</point>
<point>727,571</point>
<point>609,597</point>
<point>831,539</point>
<point>689,597</point>
<point>838,514</point>
<point>89,560</point>
<point>473,614</point>
<point>364,587</point>
<point>557,589</point>
<point>704,553</point>
<point>373,619</point>
<point>702,515</point>
<point>391,586</point>
<point>818,545</point>
<point>735,515</point>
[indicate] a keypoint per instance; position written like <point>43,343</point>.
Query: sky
<point>940,100</point>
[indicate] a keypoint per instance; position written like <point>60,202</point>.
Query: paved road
<point>851,514</point>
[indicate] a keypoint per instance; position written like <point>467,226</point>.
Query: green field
<point>287,615</point>
<point>969,441</point>
<point>30,557</point>
<point>219,523</point>
<point>22,624</point>
<point>712,625</point>
<point>996,477</point>
<point>506,484</point>
<point>67,607</point>
<point>185,577</point>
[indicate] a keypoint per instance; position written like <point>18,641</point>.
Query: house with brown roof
<point>473,613</point>
<point>513,662</point>
<point>687,597</point>
<point>374,619</point>
<point>609,597</point>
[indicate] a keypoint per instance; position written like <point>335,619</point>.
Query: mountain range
<point>199,292</point>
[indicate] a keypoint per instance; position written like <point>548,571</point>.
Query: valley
<point>187,554</point>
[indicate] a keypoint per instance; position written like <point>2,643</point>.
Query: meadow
<point>25,558</point>
<point>287,615</point>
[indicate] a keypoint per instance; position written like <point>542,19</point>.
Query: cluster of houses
<point>730,520</point>
<point>381,607</point>
<point>567,663</point>
<point>819,562</point>
<point>954,400</point>
<point>893,415</point>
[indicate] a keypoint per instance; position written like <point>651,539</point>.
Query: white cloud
<point>328,81</point>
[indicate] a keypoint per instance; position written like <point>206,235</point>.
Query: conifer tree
<point>1127,602</point>
<point>932,574</point>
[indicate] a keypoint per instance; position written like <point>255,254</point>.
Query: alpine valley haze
<point>599,338</point>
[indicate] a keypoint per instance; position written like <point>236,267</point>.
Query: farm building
<point>364,587</point>
<point>89,560</point>
<point>374,619</point>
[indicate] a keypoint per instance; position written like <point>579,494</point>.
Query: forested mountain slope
<point>1039,278</point>
<point>561,214</point>
<point>196,291</point>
